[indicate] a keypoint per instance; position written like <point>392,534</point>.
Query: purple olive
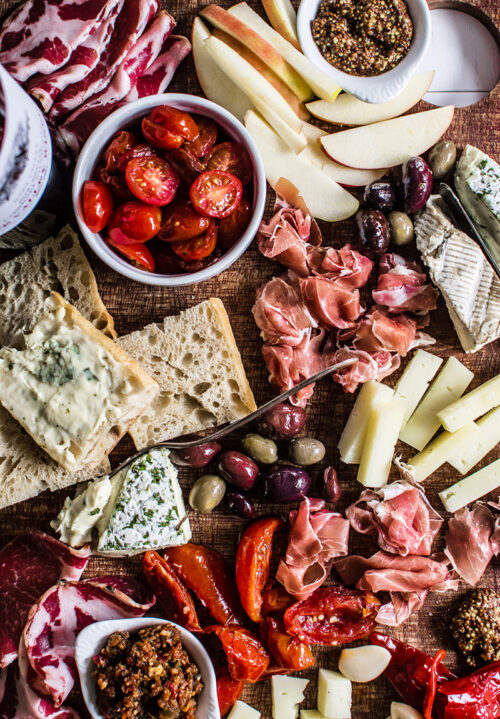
<point>240,505</point>
<point>331,484</point>
<point>238,469</point>
<point>287,483</point>
<point>374,232</point>
<point>417,184</point>
<point>380,195</point>
<point>284,420</point>
<point>198,456</point>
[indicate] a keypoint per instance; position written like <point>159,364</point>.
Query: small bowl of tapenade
<point>370,47</point>
<point>145,668</point>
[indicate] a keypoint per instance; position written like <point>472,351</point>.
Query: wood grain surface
<point>134,305</point>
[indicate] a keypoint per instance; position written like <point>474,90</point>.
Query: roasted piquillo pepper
<point>228,690</point>
<point>207,574</point>
<point>430,694</point>
<point>288,652</point>
<point>332,616</point>
<point>252,563</point>
<point>275,599</point>
<point>173,597</point>
<point>246,657</point>
<point>476,696</point>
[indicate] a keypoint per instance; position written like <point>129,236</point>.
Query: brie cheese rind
<point>465,278</point>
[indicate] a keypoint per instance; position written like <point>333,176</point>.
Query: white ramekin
<point>125,117</point>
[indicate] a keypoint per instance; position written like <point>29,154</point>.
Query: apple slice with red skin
<point>282,16</point>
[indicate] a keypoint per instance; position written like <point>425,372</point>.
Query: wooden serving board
<point>134,305</point>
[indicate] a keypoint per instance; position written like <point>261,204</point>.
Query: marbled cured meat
<point>157,77</point>
<point>472,540</point>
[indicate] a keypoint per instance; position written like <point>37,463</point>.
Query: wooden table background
<point>134,305</point>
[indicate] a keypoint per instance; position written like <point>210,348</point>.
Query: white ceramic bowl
<point>125,117</point>
<point>91,640</point>
<point>378,88</point>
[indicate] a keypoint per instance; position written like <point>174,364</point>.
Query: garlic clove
<point>403,711</point>
<point>363,664</point>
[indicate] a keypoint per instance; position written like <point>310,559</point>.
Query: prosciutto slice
<point>280,313</point>
<point>317,536</point>
<point>158,76</point>
<point>369,366</point>
<point>402,286</point>
<point>379,331</point>
<point>332,304</point>
<point>400,515</point>
<point>472,541</point>
<point>349,268</point>
<point>29,565</point>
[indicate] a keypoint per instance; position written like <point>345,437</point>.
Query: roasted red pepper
<point>430,692</point>
<point>246,657</point>
<point>228,690</point>
<point>275,599</point>
<point>288,652</point>
<point>476,696</point>
<point>173,597</point>
<point>332,616</point>
<point>207,574</point>
<point>252,563</point>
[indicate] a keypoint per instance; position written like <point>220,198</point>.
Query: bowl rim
<point>376,88</point>
<point>99,138</point>
<point>91,639</point>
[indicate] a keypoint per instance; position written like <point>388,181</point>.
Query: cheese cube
<point>487,435</point>
<point>415,380</point>
<point>287,693</point>
<point>442,449</point>
<point>382,432</point>
<point>448,386</point>
<point>351,440</point>
<point>334,695</point>
<point>241,710</point>
<point>474,404</point>
<point>473,487</point>
<point>311,714</point>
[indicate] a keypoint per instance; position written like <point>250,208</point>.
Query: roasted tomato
<point>246,657</point>
<point>97,204</point>
<point>228,690</point>
<point>122,143</point>
<point>199,247</point>
<point>181,222</point>
<point>186,165</point>
<point>275,599</point>
<point>134,222</point>
<point>232,227</point>
<point>332,616</point>
<point>231,157</point>
<point>166,127</point>
<point>140,150</point>
<point>288,652</point>
<point>215,193</point>
<point>138,254</point>
<point>205,140</point>
<point>117,185</point>
<point>152,180</point>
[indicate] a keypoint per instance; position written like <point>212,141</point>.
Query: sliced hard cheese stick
<point>241,710</point>
<point>415,380</point>
<point>384,425</point>
<point>474,404</point>
<point>443,449</point>
<point>473,487</point>
<point>468,453</point>
<point>448,386</point>
<point>371,395</point>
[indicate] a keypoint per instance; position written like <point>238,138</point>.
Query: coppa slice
<point>348,110</point>
<point>389,143</point>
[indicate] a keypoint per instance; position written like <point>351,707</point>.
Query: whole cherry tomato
<point>288,652</point>
<point>231,157</point>
<point>246,657</point>
<point>152,180</point>
<point>138,254</point>
<point>121,143</point>
<point>228,690</point>
<point>205,140</point>
<point>215,193</point>
<point>275,599</point>
<point>232,227</point>
<point>199,247</point>
<point>166,127</point>
<point>332,616</point>
<point>134,222</point>
<point>97,204</point>
<point>186,165</point>
<point>181,222</point>
<point>140,150</point>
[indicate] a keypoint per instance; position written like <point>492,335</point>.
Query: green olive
<point>260,448</point>
<point>442,157</point>
<point>206,493</point>
<point>401,228</point>
<point>306,450</point>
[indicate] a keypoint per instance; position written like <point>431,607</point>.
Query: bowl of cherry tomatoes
<point>169,190</point>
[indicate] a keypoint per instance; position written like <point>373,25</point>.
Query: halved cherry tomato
<point>166,127</point>
<point>199,247</point>
<point>140,150</point>
<point>187,167</point>
<point>97,204</point>
<point>119,145</point>
<point>288,652</point>
<point>215,193</point>
<point>152,180</point>
<point>232,227</point>
<point>138,254</point>
<point>231,157</point>
<point>206,139</point>
<point>134,222</point>
<point>246,657</point>
<point>228,690</point>
<point>181,222</point>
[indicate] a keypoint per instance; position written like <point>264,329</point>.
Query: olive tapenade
<point>363,37</point>
<point>146,674</point>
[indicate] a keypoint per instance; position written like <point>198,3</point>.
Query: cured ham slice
<point>19,701</point>
<point>29,565</point>
<point>369,366</point>
<point>378,331</point>
<point>400,514</point>
<point>158,76</point>
<point>402,286</point>
<point>349,268</point>
<point>333,305</point>
<point>280,314</point>
<point>472,541</point>
<point>317,536</point>
<point>40,36</point>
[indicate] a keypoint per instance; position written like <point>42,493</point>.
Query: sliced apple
<point>325,199</point>
<point>320,82</point>
<point>295,141</point>
<point>248,79</point>
<point>348,110</point>
<point>260,46</point>
<point>388,143</point>
<point>282,16</point>
<point>215,84</point>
